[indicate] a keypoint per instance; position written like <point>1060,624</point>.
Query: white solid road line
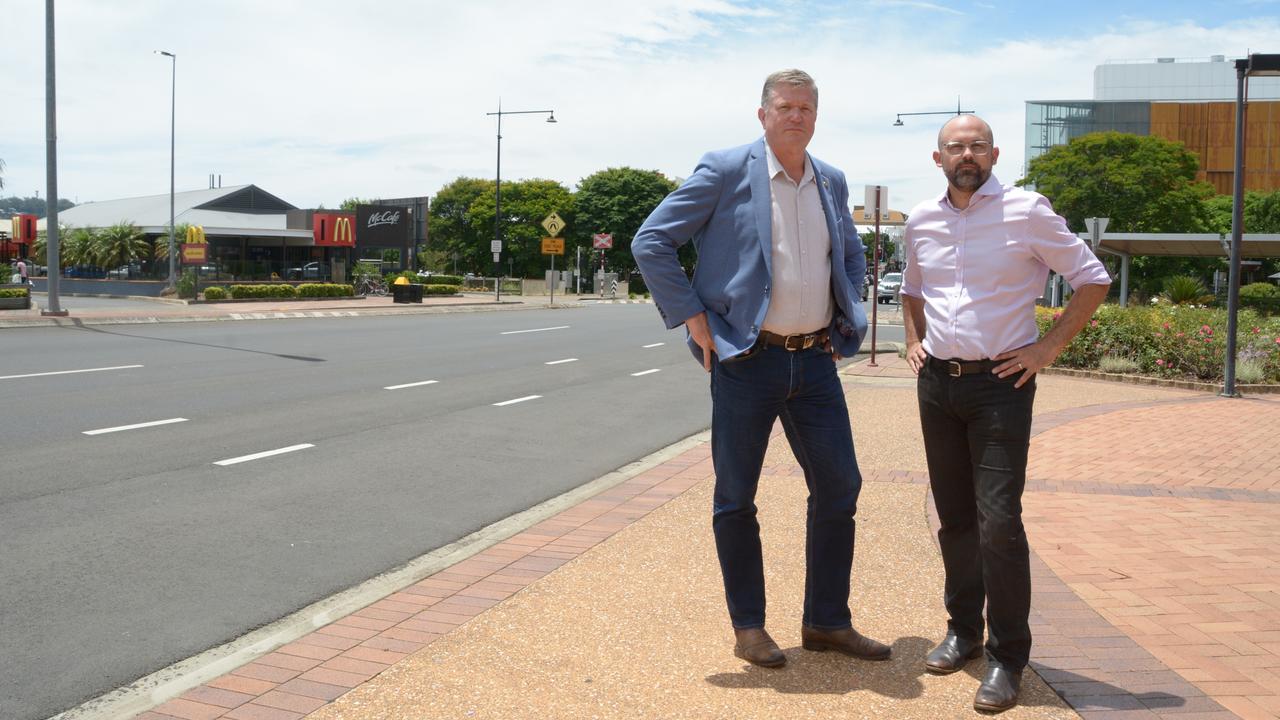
<point>560,362</point>
<point>645,372</point>
<point>517,400</point>
<point>268,453</point>
<point>653,345</point>
<point>135,426</point>
<point>517,332</point>
<point>68,372</point>
<point>409,385</point>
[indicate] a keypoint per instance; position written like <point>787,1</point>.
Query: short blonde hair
<point>792,77</point>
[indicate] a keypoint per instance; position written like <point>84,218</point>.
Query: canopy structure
<point>1126,245</point>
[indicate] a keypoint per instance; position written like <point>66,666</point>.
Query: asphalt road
<point>125,549</point>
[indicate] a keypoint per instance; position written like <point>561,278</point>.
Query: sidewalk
<point>158,310</point>
<point>1156,587</point>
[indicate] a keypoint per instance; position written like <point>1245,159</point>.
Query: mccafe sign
<point>382,225</point>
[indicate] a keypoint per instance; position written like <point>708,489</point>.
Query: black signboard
<point>382,226</point>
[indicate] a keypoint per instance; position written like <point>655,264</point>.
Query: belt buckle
<point>786,343</point>
<point>954,369</point>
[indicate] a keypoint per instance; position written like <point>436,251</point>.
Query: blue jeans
<point>747,396</point>
<point>977,429</point>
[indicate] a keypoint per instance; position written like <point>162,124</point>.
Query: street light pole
<point>173,114</point>
<point>1252,66</point>
<point>497,195</point>
<point>53,262</point>
<point>958,111</point>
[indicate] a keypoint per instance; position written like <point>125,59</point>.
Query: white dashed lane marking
<point>68,372</point>
<point>645,372</point>
<point>560,362</point>
<point>409,385</point>
<point>264,454</point>
<point>653,345</point>
<point>517,400</point>
<point>135,426</point>
<point>517,332</point>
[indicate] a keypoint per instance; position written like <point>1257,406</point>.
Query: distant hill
<point>14,205</point>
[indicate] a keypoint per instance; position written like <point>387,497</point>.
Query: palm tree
<point>77,247</point>
<point>119,244</point>
<point>161,252</point>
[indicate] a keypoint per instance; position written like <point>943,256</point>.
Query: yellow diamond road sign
<point>553,224</point>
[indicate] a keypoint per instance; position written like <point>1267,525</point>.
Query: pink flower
<point>1166,326</point>
<point>1094,323</point>
<point>1160,363</point>
<point>1181,334</point>
<point>1257,330</point>
<point>1206,329</point>
<point>1278,341</point>
<point>1159,335</point>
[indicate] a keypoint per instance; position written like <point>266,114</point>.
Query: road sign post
<point>877,202</point>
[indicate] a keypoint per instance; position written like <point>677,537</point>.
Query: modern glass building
<point>1191,101</point>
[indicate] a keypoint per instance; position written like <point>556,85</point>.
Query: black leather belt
<point>958,368</point>
<point>801,341</point>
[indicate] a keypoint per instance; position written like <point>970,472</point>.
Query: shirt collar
<point>775,167</point>
<point>991,187</point>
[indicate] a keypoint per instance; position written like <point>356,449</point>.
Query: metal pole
<point>875,281</point>
<point>52,259</point>
<point>497,215</point>
<point>553,279</point>
<point>1237,227</point>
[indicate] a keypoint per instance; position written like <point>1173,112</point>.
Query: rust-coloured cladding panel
<point>1208,130</point>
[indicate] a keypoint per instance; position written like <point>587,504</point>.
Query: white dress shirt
<point>980,270</point>
<point>801,297</point>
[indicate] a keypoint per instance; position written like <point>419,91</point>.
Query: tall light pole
<point>497,198</point>
<point>173,114</point>
<point>52,260</point>
<point>1252,66</point>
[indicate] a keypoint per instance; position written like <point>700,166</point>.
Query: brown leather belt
<point>801,341</point>
<point>957,368</point>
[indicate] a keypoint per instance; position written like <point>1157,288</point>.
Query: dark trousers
<point>977,429</point>
<point>747,396</point>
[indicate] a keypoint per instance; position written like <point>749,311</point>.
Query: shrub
<point>187,284</point>
<point>1117,364</point>
<point>325,290</point>
<point>262,291</point>
<point>440,289</point>
<point>14,292</point>
<point>1250,371</point>
<point>215,293</point>
<point>1259,289</point>
<point>1186,290</point>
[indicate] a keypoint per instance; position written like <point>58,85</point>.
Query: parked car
<point>310,271</point>
<point>126,272</point>
<point>887,290</point>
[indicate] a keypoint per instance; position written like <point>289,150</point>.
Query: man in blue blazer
<point>773,303</point>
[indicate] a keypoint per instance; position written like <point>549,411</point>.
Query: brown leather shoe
<point>756,647</point>
<point>848,641</point>
<point>998,691</point>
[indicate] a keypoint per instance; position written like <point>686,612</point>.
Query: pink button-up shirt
<point>801,261</point>
<point>980,270</point>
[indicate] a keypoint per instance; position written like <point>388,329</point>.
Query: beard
<point>967,177</point>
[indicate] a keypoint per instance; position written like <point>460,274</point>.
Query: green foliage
<point>240,292</point>
<point>617,201</point>
<point>450,227</point>
<point>119,244</point>
<point>1259,289</point>
<point>33,205</point>
<point>362,269</point>
<point>524,205</point>
<point>215,293</point>
<point>324,290</point>
<point>1117,364</point>
<point>440,289</point>
<point>349,205</point>
<point>1186,290</point>
<point>76,246</point>
<point>1261,212</point>
<point>160,249</point>
<point>15,292</point>
<point>1143,183</point>
<point>187,284</point>
<point>440,280</point>
<point>1174,341</point>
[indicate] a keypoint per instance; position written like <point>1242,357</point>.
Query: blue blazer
<point>725,208</point>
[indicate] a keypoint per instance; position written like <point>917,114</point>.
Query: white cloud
<point>316,101</point>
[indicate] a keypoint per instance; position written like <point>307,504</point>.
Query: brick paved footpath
<point>1156,580</point>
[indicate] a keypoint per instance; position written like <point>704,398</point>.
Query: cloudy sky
<point>320,100</point>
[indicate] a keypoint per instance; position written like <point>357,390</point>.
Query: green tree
<point>617,201</point>
<point>450,228</point>
<point>525,203</point>
<point>349,205</point>
<point>1261,212</point>
<point>161,244</point>
<point>1143,183</point>
<point>77,246</point>
<point>119,244</point>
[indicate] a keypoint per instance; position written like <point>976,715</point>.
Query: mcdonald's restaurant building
<point>249,235</point>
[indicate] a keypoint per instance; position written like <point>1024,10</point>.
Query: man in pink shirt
<point>978,256</point>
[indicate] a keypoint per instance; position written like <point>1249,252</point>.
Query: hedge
<point>262,291</point>
<point>440,289</point>
<point>441,280</point>
<point>14,292</point>
<point>215,293</point>
<point>1173,341</point>
<point>325,290</point>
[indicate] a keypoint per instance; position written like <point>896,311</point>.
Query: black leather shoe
<point>848,641</point>
<point>756,647</point>
<point>999,690</point>
<point>951,655</point>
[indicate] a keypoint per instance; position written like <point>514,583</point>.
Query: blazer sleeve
<point>679,218</point>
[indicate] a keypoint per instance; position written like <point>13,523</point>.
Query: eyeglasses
<point>956,149</point>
